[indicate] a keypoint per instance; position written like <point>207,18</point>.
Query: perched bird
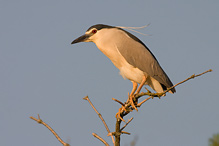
<point>130,55</point>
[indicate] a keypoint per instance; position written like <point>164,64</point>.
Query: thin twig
<point>118,101</point>
<point>127,123</point>
<point>192,77</point>
<point>139,104</point>
<point>100,116</point>
<point>124,132</point>
<point>101,139</point>
<point>40,121</point>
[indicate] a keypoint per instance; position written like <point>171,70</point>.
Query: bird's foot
<point>122,111</point>
<point>118,115</point>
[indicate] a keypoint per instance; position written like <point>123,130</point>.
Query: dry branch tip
<point>100,138</point>
<point>124,132</point>
<point>85,98</point>
<point>118,101</point>
<point>50,129</point>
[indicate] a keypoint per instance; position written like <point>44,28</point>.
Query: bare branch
<point>101,139</point>
<point>192,77</point>
<point>100,116</point>
<point>40,121</point>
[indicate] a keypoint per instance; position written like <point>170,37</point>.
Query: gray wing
<point>138,55</point>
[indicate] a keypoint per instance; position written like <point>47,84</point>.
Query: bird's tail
<point>158,87</point>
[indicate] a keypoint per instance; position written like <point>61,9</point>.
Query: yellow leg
<point>131,97</point>
<point>144,78</point>
<point>135,85</point>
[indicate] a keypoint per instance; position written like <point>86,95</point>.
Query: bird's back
<point>138,55</point>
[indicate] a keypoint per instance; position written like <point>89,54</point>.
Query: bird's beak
<point>83,38</point>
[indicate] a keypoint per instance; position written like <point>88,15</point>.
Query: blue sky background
<point>42,73</point>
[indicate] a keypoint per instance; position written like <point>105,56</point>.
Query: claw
<point>118,114</point>
<point>132,102</point>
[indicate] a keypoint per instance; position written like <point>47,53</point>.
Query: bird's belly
<point>131,73</point>
<point>126,70</point>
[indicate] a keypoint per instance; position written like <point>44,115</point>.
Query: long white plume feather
<point>134,29</point>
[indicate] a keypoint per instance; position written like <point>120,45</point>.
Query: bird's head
<point>92,34</point>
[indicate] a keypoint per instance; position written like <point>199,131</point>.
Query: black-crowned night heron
<point>130,55</point>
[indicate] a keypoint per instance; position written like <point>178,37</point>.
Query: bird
<point>130,55</point>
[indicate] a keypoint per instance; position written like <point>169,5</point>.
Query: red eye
<point>94,31</point>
